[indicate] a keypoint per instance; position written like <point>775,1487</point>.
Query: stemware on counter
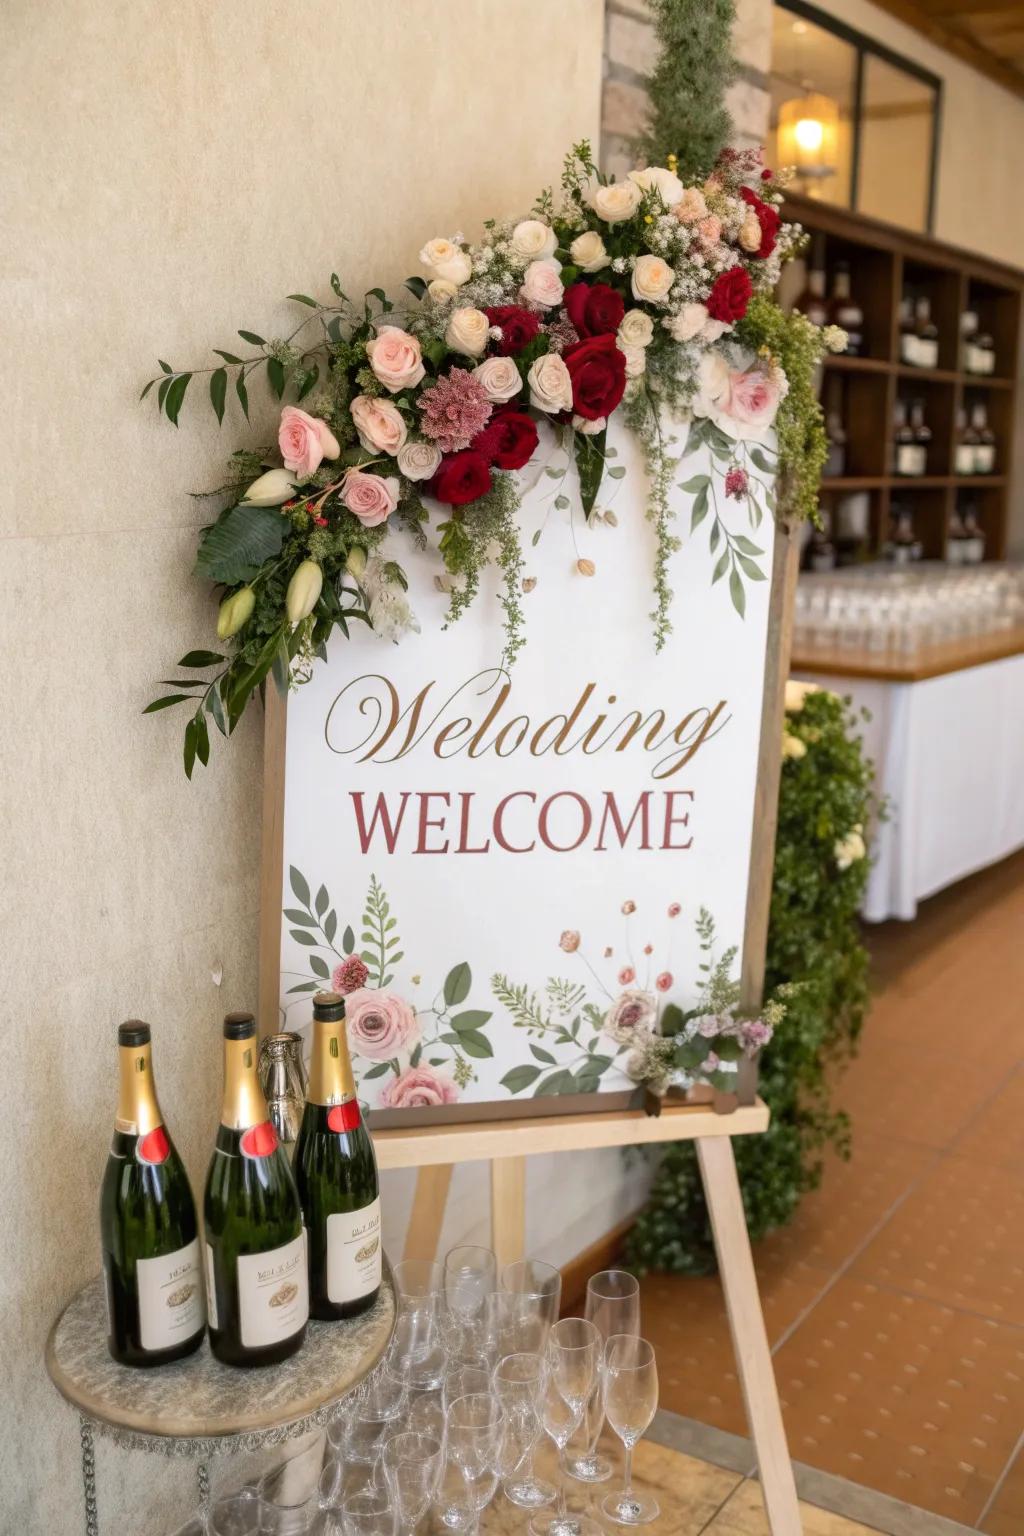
<point>480,1368</point>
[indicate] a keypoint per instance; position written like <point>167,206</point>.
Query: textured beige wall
<point>170,171</point>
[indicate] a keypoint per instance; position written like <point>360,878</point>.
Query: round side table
<point>198,1407</point>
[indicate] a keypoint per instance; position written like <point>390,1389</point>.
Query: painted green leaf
<point>300,918</point>
<point>304,937</point>
<point>475,1044</point>
<point>457,984</point>
<point>737,593</point>
<point>721,567</point>
<point>472,1018</point>
<point>323,901</point>
<point>542,1055</point>
<point>696,483</point>
<point>299,884</point>
<point>348,941</point>
<point>377,1071</point>
<point>319,965</point>
<point>520,1078</point>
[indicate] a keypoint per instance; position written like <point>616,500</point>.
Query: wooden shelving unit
<point>883,261</point>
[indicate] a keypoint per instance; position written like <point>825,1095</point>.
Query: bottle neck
<point>816,282</point>
<point>138,1112</point>
<point>330,1067</point>
<point>243,1104</point>
<point>841,285</point>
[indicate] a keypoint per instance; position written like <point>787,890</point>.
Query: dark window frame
<point>864,46</point>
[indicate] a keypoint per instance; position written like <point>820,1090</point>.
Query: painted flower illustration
<point>350,975</point>
<point>631,1016</point>
<point>418,1088</point>
<point>380,1024</point>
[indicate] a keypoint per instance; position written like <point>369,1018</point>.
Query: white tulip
<point>271,489</point>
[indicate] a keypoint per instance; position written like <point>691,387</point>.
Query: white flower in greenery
<point>271,489</point>
<point>588,252</point>
<point>636,329</point>
<point>792,746</point>
<point>652,279</point>
<point>588,427</point>
<point>532,240</point>
<point>851,848</point>
<point>636,359</point>
<point>616,202</point>
<point>447,260</point>
<point>693,323</point>
<point>658,178</point>
<point>419,461</point>
<point>796,694</point>
<point>442,291</point>
<point>550,384</point>
<point>468,331</point>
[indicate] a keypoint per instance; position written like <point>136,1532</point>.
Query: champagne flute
<point>470,1275</point>
<point>613,1306</point>
<point>412,1469</point>
<point>574,1364</point>
<point>538,1291</point>
<point>369,1513</point>
<point>473,1447</point>
<point>630,1402</point>
<point>519,1381</point>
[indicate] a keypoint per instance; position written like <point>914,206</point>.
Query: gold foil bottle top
<point>243,1104</point>
<point>138,1111</point>
<point>330,1067</point>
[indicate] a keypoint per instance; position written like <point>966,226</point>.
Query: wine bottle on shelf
<point>927,334</point>
<point>985,442</point>
<point>256,1281</point>
<point>906,455</point>
<point>336,1174</point>
<point>968,340</point>
<point>835,464</point>
<point>922,436</point>
<point>148,1227</point>
<point>984,354</point>
<point>905,547</point>
<point>955,539</point>
<point>846,312</point>
<point>908,332</point>
<point>974,538</point>
<point>964,444</point>
<point>812,302</point>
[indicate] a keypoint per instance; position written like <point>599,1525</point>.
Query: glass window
<point>812,67</point>
<point>897,117</point>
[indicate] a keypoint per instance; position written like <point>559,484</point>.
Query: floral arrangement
<point>642,295</point>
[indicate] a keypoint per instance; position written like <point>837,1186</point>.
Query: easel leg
<point>508,1209</point>
<point>749,1339</point>
<point>429,1201</point>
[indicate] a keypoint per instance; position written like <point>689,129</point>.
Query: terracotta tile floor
<point>895,1300</point>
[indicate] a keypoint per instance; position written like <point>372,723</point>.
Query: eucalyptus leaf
<point>218,391</point>
<point>257,341</point>
<point>737,593</point>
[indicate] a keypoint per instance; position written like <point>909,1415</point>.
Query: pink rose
<point>542,283</point>
<point>395,358</point>
<point>380,1025</point>
<point>371,498</point>
<point>304,441</point>
<point>710,229</point>
<point>754,397</point>
<point>381,425</point>
<point>418,1088</point>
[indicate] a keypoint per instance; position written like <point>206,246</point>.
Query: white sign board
<point>516,855</point>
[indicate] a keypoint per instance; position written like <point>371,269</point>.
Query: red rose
<point>461,478</point>
<point>594,308</point>
<point>767,217</point>
<point>598,372</point>
<point>508,440</point>
<point>730,295</point>
<point>518,327</point>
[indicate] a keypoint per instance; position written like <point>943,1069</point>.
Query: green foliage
<point>688,117</point>
<point>814,940</point>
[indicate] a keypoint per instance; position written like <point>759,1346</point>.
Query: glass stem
<point>563,1477</point>
<point>629,1470</point>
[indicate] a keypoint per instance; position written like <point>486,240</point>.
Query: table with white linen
<point>946,736</point>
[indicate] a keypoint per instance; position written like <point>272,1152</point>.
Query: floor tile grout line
<point>709,1522</point>
<point>1000,1480</point>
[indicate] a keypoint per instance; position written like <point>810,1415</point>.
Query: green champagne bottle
<point>256,1283</point>
<point>336,1172</point>
<point>148,1226</point>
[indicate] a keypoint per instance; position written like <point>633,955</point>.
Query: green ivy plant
<point>814,940</point>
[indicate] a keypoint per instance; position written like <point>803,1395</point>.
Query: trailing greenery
<point>794,343</point>
<point>688,116</point>
<point>813,940</point>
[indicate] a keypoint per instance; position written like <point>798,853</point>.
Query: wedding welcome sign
<point>511,870</point>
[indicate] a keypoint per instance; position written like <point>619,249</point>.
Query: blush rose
<point>305,441</point>
<point>396,358</point>
<point>370,498</point>
<point>418,1088</point>
<point>380,1024</point>
<point>381,425</point>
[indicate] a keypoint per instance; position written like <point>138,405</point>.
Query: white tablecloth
<point>949,758</point>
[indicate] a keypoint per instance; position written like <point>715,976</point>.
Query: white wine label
<point>211,1290</point>
<point>273,1294</point>
<point>353,1253</point>
<point>170,1297</point>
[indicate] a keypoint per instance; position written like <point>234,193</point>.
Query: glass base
<point>630,1508</point>
<point>565,1525</point>
<point>529,1493</point>
<point>589,1469</point>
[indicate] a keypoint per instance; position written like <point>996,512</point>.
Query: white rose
<point>532,240</point>
<point>617,201</point>
<point>448,260</point>
<point>652,279</point>
<point>550,384</point>
<point>418,461</point>
<point>500,378</point>
<point>658,178</point>
<point>796,694</point>
<point>467,331</point>
<point>636,360</point>
<point>587,427</point>
<point>750,232</point>
<point>792,746</point>
<point>542,284</point>
<point>588,252</point>
<point>442,291</point>
<point>636,329</point>
<point>712,384</point>
<point>688,322</point>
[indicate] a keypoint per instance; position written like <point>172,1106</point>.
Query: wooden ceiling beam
<point>959,44</point>
<point>962,10</point>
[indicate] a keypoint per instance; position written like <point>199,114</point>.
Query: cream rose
<point>688,322</point>
<point>652,279</point>
<point>542,283</point>
<point>532,240</point>
<point>447,260</point>
<point>500,378</point>
<point>851,848</point>
<point>396,358</point>
<point>617,201</point>
<point>418,461</point>
<point>588,252</point>
<point>636,329</point>
<point>792,746</point>
<point>658,178</point>
<point>418,1088</point>
<point>750,232</point>
<point>550,384</point>
<point>467,331</point>
<point>305,441</point>
<point>379,1024</point>
<point>371,498</point>
<point>381,425</point>
<point>692,206</point>
<point>796,694</point>
<point>636,359</point>
<point>442,291</point>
